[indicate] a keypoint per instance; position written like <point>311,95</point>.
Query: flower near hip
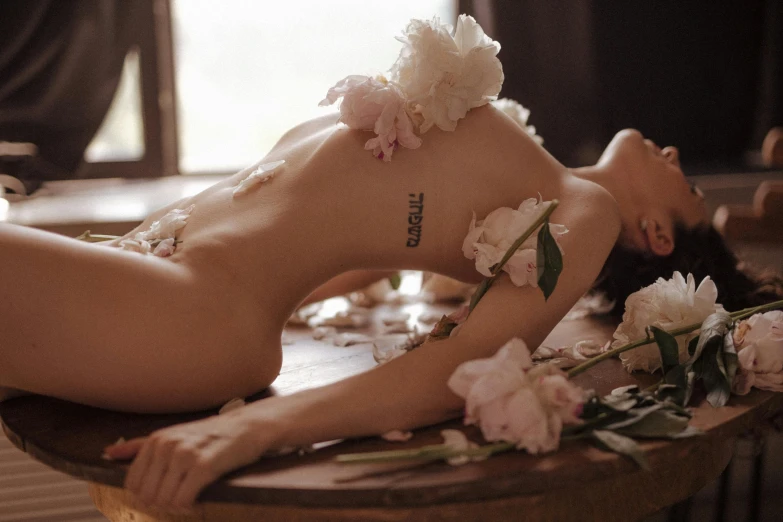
<point>514,110</point>
<point>374,103</point>
<point>666,304</point>
<point>488,241</point>
<point>512,401</point>
<point>160,238</point>
<point>759,343</point>
<point>445,76</point>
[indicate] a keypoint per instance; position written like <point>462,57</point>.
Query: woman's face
<point>655,178</point>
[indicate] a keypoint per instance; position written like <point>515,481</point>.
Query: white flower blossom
<point>445,76</point>
<point>512,401</point>
<point>260,174</point>
<point>489,240</point>
<point>374,103</point>
<point>514,110</point>
<point>759,343</point>
<point>667,304</point>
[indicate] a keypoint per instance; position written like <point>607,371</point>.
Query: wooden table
<point>577,482</point>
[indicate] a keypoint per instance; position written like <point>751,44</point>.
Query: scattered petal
<point>397,436</point>
<point>261,174</point>
<point>232,405</point>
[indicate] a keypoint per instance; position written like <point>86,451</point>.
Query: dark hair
<point>700,251</point>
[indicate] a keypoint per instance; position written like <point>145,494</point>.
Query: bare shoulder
<point>592,211</point>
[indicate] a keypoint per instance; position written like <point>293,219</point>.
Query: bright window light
<point>247,71</point>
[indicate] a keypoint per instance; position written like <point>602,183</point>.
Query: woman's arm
<point>174,464</point>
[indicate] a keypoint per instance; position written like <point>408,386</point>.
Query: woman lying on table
<point>186,311</point>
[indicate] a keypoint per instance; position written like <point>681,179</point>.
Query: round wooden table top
<point>70,437</point>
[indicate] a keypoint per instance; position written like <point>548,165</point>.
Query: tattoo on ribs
<point>415,216</point>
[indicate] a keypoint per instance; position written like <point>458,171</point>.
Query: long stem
<point>738,315</point>
<point>482,289</point>
<point>435,452</point>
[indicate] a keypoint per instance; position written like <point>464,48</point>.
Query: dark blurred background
<point>704,76</point>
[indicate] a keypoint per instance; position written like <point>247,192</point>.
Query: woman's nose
<point>672,154</point>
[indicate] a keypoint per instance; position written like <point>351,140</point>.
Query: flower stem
<point>482,289</point>
<point>434,452</point>
<point>740,314</point>
<point>529,232</point>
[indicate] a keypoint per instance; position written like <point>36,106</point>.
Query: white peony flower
<point>514,110</point>
<point>667,304</point>
<point>379,105</point>
<point>514,402</point>
<point>759,343</point>
<point>445,76</point>
<point>489,240</point>
<point>261,174</point>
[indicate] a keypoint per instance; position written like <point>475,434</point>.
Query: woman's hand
<point>174,464</point>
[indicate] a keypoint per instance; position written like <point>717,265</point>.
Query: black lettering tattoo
<point>415,217</point>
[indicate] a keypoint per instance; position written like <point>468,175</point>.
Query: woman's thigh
<point>118,329</point>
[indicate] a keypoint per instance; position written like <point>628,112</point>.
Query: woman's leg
<point>117,329</point>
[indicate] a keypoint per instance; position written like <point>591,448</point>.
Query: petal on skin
<point>165,248</point>
<point>261,174</point>
<point>397,436</point>
<point>233,404</point>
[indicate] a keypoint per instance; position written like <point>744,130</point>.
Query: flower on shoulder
<point>759,343</point>
<point>445,76</point>
<point>512,401</point>
<point>488,241</point>
<point>667,304</point>
<point>374,103</point>
<point>514,110</point>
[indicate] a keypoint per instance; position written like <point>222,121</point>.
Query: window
<point>247,71</point>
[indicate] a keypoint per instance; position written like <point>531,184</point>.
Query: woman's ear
<point>659,236</point>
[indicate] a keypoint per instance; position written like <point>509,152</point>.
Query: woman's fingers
<point>158,468</point>
<point>124,450</point>
<point>137,471</point>
<point>182,461</point>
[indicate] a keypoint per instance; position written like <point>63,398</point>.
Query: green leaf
<point>658,424</point>
<point>713,329</point>
<point>667,345</point>
<point>622,445</point>
<point>549,260</point>
<point>692,345</point>
<point>395,281</point>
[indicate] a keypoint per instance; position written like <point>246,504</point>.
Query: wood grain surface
<point>70,437</point>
